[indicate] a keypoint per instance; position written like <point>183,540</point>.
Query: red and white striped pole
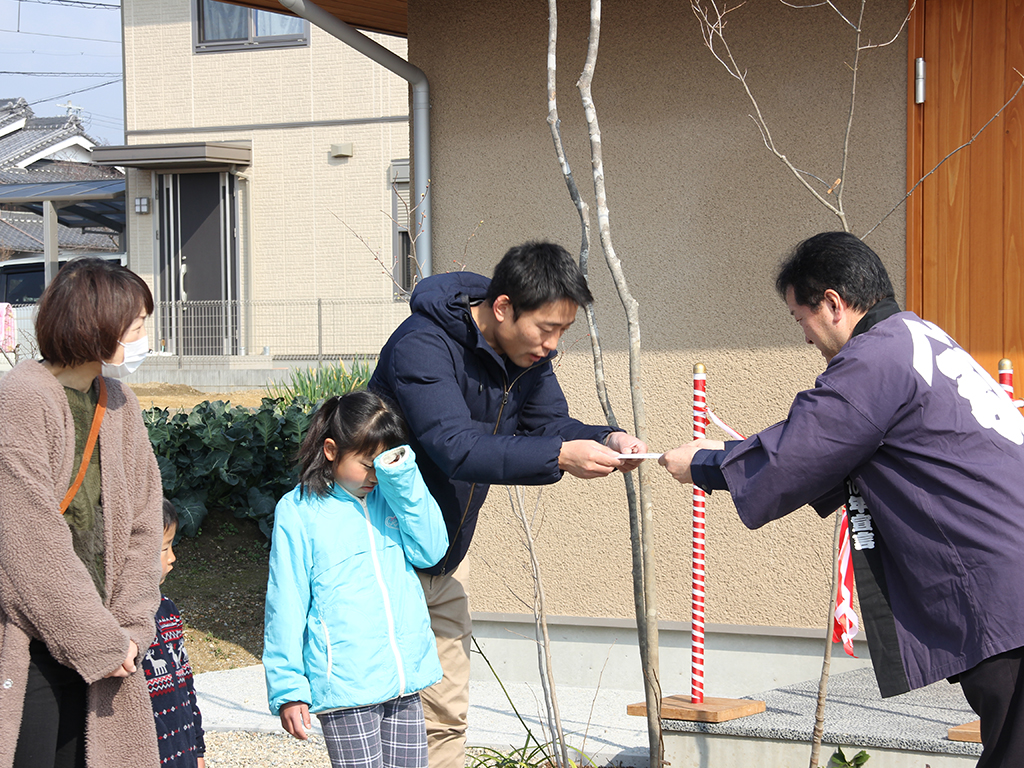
<point>1006,376</point>
<point>700,424</point>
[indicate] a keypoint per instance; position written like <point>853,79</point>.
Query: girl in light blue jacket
<point>347,635</point>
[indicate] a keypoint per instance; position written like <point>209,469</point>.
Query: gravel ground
<point>240,749</point>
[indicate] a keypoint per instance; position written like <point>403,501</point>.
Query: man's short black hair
<point>836,260</point>
<point>535,274</point>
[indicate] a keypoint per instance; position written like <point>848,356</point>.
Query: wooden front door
<point>965,224</point>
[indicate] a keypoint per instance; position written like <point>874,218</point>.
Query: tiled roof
<point>12,110</point>
<point>23,232</point>
<point>38,134</point>
<point>60,170</point>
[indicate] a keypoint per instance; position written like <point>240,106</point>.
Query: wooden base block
<point>710,711</point>
<point>966,732</point>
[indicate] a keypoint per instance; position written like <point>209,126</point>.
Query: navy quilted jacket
<point>476,419</point>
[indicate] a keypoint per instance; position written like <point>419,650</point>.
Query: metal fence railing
<point>315,329</point>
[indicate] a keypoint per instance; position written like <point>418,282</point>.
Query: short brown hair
<point>86,310</point>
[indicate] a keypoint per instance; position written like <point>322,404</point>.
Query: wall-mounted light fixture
<point>142,205</point>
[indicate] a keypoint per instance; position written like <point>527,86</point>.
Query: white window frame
<point>404,271</point>
<point>252,41</point>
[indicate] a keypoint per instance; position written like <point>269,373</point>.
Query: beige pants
<point>446,704</point>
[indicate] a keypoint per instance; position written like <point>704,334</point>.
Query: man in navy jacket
<point>470,370</point>
<point>927,453</point>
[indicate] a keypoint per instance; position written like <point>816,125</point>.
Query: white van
<point>22,281</point>
<point>21,284</point>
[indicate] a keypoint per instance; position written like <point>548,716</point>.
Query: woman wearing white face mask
<point>80,531</point>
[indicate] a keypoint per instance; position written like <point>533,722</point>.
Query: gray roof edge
<point>193,153</point>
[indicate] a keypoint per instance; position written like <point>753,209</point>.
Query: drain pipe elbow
<point>421,214</point>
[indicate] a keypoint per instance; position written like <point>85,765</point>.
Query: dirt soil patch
<point>155,394</point>
<point>219,584</point>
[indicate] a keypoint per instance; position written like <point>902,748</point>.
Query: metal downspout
<point>335,27</point>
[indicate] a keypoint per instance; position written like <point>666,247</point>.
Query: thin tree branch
<point>712,23</point>
<point>906,20</point>
<point>943,160</point>
<point>829,3</point>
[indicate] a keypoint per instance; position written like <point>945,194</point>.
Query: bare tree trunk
<point>547,678</point>
<point>639,601</point>
<point>826,664</point>
<point>652,682</point>
<point>641,530</point>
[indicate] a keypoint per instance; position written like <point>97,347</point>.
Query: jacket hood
<point>445,300</point>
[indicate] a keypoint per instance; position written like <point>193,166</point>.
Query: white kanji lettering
<point>920,332</point>
<point>864,540</point>
<point>860,522</point>
<point>990,405</point>
<point>856,504</point>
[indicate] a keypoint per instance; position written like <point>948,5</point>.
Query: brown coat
<point>45,590</point>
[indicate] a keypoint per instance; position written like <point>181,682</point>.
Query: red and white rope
<point>845,625</point>
<point>700,424</point>
<point>724,427</point>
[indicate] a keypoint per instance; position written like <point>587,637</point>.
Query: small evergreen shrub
<point>232,458</point>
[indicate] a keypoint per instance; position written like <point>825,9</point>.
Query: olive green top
<point>85,512</point>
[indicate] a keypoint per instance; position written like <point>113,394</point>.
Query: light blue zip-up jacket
<point>346,624</point>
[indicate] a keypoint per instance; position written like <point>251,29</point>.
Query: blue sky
<point>65,36</point>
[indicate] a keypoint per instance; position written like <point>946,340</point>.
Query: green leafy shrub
<point>839,760</point>
<point>233,458</point>
<point>316,384</point>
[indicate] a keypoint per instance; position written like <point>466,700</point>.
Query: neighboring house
<point>26,140</point>
<point>261,155</point>
<point>701,214</point>
<point>41,153</point>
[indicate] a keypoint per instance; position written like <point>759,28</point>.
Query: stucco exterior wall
<point>301,211</point>
<point>701,215</point>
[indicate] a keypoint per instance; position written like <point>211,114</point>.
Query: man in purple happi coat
<point>927,452</point>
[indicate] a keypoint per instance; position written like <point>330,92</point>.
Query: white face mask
<point>134,353</point>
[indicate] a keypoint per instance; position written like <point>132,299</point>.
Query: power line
<point>76,4</point>
<point>62,74</point>
<point>72,93</point>
<point>58,53</point>
<point>64,37</point>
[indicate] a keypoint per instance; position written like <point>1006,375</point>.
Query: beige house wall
<point>701,215</point>
<point>311,226</point>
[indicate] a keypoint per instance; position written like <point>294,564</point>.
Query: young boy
<point>179,725</point>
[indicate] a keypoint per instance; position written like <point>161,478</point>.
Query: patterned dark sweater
<point>179,725</point>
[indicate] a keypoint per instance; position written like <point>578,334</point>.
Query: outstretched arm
<point>678,461</point>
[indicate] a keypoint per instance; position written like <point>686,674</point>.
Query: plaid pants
<point>388,735</point>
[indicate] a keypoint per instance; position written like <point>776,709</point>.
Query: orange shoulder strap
<point>94,432</point>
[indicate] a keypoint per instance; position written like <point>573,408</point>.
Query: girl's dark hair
<point>170,514</point>
<point>360,423</point>
<point>86,310</point>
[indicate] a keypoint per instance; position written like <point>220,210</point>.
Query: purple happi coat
<point>928,452</point>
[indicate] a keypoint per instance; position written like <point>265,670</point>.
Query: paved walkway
<point>237,700</point>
